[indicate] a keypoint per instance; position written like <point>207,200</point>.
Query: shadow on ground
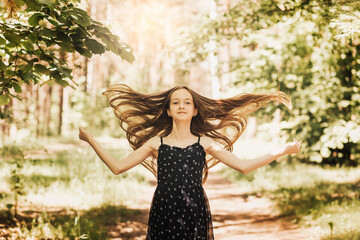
<point>97,223</point>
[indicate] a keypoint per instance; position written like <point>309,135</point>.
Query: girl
<point>178,135</point>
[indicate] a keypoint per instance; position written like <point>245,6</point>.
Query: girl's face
<point>181,105</point>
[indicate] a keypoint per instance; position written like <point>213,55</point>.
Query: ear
<point>195,111</point>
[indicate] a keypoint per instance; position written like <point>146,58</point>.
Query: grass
<point>65,194</point>
<point>71,194</point>
<point>68,224</point>
<point>313,196</point>
<point>326,199</point>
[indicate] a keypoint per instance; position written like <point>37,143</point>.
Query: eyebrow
<point>185,99</point>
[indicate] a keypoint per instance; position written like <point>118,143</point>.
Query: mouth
<point>181,112</point>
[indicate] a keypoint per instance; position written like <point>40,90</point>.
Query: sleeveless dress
<point>180,209</point>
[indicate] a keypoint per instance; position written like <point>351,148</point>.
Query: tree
<point>290,46</point>
<point>30,45</point>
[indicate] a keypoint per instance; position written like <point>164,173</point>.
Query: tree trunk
<point>47,109</point>
<point>37,111</point>
<point>213,60</point>
<point>61,96</point>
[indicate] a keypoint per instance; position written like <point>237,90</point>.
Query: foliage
<point>349,26</point>
<point>76,191</point>
<point>310,195</point>
<point>34,45</point>
<point>290,47</point>
<point>90,224</point>
<point>14,156</point>
<point>83,115</point>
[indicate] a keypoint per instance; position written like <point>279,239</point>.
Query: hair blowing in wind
<point>143,116</point>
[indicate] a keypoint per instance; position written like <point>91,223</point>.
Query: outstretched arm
<point>115,165</point>
<point>246,166</point>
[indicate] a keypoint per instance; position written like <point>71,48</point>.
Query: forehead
<point>181,94</point>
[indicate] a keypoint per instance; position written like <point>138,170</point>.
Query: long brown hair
<point>143,116</point>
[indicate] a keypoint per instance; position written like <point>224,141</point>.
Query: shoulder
<point>209,144</point>
<point>153,143</point>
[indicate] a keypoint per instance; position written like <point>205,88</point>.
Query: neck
<point>181,130</point>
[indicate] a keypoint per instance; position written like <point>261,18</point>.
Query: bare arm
<point>115,165</point>
<point>246,166</point>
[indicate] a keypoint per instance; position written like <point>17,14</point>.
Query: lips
<point>181,112</point>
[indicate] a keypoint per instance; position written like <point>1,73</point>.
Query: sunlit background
<point>53,186</point>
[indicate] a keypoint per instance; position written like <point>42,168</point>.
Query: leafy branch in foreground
<point>33,45</point>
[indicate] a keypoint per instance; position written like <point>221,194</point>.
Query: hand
<point>293,147</point>
<point>84,135</point>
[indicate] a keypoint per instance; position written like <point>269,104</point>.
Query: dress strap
<point>161,140</point>
<point>199,139</point>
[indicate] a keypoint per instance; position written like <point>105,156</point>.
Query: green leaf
<point>33,4</point>
<point>2,41</point>
<point>10,46</point>
<point>16,87</point>
<point>48,82</point>
<point>34,60</point>
<point>63,20</point>
<point>62,83</point>
<point>35,19</point>
<point>28,46</point>
<point>94,46</point>
<point>46,32</point>
<point>56,75</point>
<point>60,35</point>
<point>81,12</point>
<point>83,51</point>
<point>27,77</point>
<point>2,65</point>
<point>13,38</point>
<point>82,17</point>
<point>33,37</point>
<point>9,73</point>
<point>67,46</point>
<point>110,45</point>
<point>46,57</point>
<point>26,67</point>
<point>53,22</point>
<point>4,99</point>
<point>48,3</point>
<point>41,69</point>
<point>46,10</point>
<point>80,49</point>
<point>82,20</point>
<point>65,71</point>
<point>82,32</point>
<point>76,37</point>
<point>99,29</point>
<point>127,54</point>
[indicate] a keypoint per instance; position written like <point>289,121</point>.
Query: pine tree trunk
<point>37,111</point>
<point>61,96</point>
<point>47,109</point>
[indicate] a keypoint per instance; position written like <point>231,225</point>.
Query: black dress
<point>180,209</point>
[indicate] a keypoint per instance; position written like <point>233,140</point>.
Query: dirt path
<point>239,216</point>
<point>235,216</point>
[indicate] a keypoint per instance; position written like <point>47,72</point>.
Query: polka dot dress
<point>180,208</point>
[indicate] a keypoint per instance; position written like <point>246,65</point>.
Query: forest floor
<point>236,215</point>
